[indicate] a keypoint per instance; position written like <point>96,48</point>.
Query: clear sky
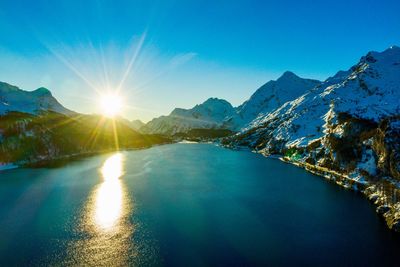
<point>166,54</point>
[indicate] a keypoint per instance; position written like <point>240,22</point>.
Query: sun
<point>111,104</point>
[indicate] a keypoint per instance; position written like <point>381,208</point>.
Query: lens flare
<point>111,104</point>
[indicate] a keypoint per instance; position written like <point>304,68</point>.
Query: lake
<point>186,205</point>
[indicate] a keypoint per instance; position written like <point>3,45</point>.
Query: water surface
<point>186,205</point>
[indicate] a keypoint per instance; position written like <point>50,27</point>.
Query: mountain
<point>136,124</point>
<point>218,113</point>
<point>269,97</point>
<point>210,114</point>
<point>14,99</point>
<point>27,139</point>
<point>35,129</point>
<point>346,129</point>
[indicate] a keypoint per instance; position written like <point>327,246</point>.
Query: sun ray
<point>115,131</point>
<point>131,61</point>
<point>95,132</point>
<point>66,121</point>
<point>105,70</point>
<point>73,68</point>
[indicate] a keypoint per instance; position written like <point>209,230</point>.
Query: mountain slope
<point>31,139</point>
<point>269,97</point>
<point>347,129</point>
<point>14,99</point>
<point>209,114</point>
<point>370,91</point>
<point>136,124</point>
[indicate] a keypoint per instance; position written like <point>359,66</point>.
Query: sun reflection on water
<point>112,168</point>
<point>105,229</point>
<point>109,195</point>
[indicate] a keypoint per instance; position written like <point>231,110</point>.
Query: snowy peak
<point>209,114</point>
<point>42,92</point>
<point>288,75</point>
<point>209,106</point>
<point>13,98</point>
<point>390,55</point>
<point>213,109</point>
<point>269,97</point>
<point>274,93</point>
<point>373,85</point>
<point>214,101</point>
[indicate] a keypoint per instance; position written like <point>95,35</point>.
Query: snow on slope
<point>209,114</point>
<point>369,90</point>
<point>14,99</point>
<point>269,97</point>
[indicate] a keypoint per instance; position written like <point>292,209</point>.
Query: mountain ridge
<point>269,96</point>
<point>12,98</point>
<point>209,114</point>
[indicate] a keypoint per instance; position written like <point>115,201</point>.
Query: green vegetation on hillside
<point>25,138</point>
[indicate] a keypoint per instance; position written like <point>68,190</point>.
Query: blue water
<point>186,205</point>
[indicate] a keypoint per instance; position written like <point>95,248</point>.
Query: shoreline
<point>387,210</point>
<point>62,160</point>
<point>387,207</point>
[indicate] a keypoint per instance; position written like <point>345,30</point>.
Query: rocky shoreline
<point>384,193</point>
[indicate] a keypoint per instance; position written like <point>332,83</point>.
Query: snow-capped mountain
<point>346,129</point>
<point>369,90</point>
<point>218,113</point>
<point>14,99</point>
<point>210,114</point>
<point>269,97</point>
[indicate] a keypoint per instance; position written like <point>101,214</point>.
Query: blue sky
<point>178,53</point>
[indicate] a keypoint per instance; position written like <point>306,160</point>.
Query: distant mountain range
<point>219,113</point>
<point>210,114</point>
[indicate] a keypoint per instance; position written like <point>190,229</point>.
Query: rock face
<point>347,129</point>
<point>14,99</point>
<point>269,97</point>
<point>208,115</point>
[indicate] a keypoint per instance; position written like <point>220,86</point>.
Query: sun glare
<point>109,197</point>
<point>111,104</point>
